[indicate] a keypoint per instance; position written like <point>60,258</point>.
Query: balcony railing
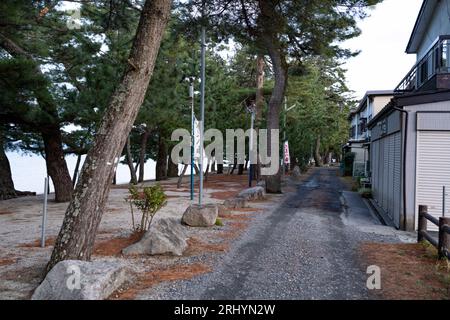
<point>435,62</point>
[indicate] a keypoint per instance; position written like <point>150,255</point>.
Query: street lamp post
<point>252,111</point>
<point>192,96</point>
<point>286,109</point>
<point>202,102</point>
<point>284,136</point>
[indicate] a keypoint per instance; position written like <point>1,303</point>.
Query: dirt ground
<point>22,260</point>
<point>408,271</point>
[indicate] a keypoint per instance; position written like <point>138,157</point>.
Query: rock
<point>222,210</point>
<point>81,280</point>
<point>204,216</point>
<point>296,172</point>
<point>255,193</point>
<point>235,203</point>
<point>165,236</point>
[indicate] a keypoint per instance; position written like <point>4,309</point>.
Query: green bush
<point>219,222</point>
<point>148,202</point>
<point>349,158</point>
<point>365,193</point>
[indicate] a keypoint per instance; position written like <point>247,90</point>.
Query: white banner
<point>287,158</point>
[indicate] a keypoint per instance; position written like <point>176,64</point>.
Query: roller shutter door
<point>433,171</point>
<point>397,142</point>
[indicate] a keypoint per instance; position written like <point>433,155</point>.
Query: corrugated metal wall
<point>386,175</point>
<point>433,171</point>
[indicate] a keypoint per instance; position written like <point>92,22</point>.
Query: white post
<point>44,213</point>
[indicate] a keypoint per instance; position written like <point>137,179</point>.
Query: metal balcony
<point>431,72</point>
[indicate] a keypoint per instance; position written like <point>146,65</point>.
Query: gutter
<point>406,113</point>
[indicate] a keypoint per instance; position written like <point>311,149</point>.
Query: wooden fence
<point>442,244</point>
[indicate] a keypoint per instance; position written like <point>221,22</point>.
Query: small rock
<point>204,216</point>
<point>255,193</point>
<point>222,210</point>
<point>165,236</point>
<point>296,172</point>
<point>235,203</point>
<point>81,280</point>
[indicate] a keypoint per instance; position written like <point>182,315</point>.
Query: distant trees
<point>317,125</point>
<point>285,31</point>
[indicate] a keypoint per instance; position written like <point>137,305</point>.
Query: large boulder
<point>255,193</point>
<point>165,236</point>
<point>81,280</point>
<point>200,216</point>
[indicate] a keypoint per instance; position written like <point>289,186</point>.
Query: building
<point>410,147</point>
<point>359,136</point>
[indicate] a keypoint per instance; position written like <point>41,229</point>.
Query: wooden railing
<point>442,244</point>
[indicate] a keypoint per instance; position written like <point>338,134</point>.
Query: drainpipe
<point>406,113</point>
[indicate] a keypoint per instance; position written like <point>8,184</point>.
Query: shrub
<point>349,157</point>
<point>365,193</point>
<point>148,202</point>
<point>219,222</point>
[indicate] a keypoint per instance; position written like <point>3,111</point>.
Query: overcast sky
<point>383,63</point>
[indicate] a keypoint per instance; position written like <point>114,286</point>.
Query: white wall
<point>440,25</point>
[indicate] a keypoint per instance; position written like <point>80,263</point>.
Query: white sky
<point>382,63</point>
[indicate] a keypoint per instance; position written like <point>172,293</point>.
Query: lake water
<point>29,171</point>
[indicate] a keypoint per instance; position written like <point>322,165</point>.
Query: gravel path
<point>304,248</point>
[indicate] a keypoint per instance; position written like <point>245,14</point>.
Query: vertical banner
<point>287,158</point>
<point>196,139</point>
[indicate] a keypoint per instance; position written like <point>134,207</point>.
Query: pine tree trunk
<point>317,158</point>
<point>129,158</point>
<point>172,169</point>
<point>56,164</point>
<point>270,38</point>
<point>180,178</point>
<point>205,176</point>
<point>260,65</point>
<point>143,151</point>
<point>76,170</point>
<point>161,161</point>
<point>83,215</point>
<point>234,166</point>
<point>7,190</point>
<point>273,183</point>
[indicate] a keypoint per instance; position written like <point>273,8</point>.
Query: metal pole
<point>191,93</point>
<point>202,104</point>
<point>250,149</point>
<point>44,213</point>
<point>284,135</point>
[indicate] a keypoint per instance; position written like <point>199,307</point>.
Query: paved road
<point>306,248</point>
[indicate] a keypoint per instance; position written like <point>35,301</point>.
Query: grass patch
<point>408,271</point>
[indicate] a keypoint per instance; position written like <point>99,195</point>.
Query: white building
<point>410,157</point>
<point>358,143</point>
